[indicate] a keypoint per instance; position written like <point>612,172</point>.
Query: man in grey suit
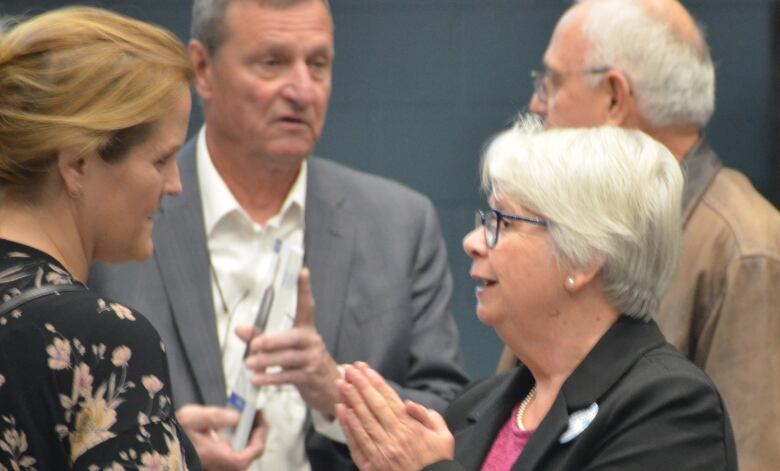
<point>377,260</point>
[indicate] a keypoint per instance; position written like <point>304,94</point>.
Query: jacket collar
<point>700,165</point>
<point>615,353</point>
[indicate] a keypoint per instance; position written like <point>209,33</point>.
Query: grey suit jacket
<point>379,276</point>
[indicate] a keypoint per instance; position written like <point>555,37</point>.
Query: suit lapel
<point>488,416</point>
<point>545,437</point>
<point>181,254</point>
<point>328,241</point>
<point>617,351</point>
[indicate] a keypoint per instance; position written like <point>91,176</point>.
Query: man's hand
<point>202,423</point>
<point>301,354</point>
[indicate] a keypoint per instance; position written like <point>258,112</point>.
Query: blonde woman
<point>93,108</point>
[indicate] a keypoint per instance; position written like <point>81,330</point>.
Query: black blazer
<point>655,411</point>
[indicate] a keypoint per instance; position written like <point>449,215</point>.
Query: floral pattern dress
<point>83,380</point>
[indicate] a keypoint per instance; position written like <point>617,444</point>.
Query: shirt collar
<point>218,201</point>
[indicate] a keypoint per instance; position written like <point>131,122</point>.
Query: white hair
<point>610,196</point>
<point>673,78</point>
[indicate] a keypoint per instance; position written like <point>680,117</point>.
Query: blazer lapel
<point>328,242</point>
<point>181,254</point>
<point>488,416</point>
<point>619,348</point>
<point>545,437</point>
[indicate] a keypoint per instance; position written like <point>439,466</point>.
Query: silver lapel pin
<point>579,421</point>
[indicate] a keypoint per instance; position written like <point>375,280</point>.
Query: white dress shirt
<point>241,254</point>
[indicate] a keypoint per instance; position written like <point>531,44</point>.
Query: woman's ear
<point>622,104</point>
<point>578,278</point>
<point>72,166</point>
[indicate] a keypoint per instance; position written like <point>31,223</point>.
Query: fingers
<point>384,431</point>
<point>297,348</point>
<point>429,418</point>
<point>419,413</point>
<point>198,417</point>
<point>286,359</point>
<point>360,410</point>
<point>305,311</point>
<point>297,356</point>
<point>380,397</point>
<point>379,383</point>
<point>245,332</point>
<point>278,378</point>
<point>296,339</point>
<point>200,423</point>
<point>357,439</point>
<point>256,443</point>
<point>438,422</point>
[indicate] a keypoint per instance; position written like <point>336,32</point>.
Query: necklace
<point>523,406</point>
<point>228,312</point>
<point>225,309</point>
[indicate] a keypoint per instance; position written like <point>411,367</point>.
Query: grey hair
<point>208,19</point>
<point>610,195</point>
<point>673,78</point>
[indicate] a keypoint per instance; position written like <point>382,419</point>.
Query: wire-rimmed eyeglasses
<point>491,219</point>
<point>542,79</point>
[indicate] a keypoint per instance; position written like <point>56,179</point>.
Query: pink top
<point>507,446</point>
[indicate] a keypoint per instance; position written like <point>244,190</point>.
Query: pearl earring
<point>570,283</point>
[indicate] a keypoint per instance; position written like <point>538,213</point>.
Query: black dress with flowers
<point>83,380</point>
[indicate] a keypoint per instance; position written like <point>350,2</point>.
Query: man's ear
<point>201,64</point>
<point>621,98</point>
<point>72,165</point>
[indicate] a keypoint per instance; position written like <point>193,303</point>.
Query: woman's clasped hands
<point>382,431</point>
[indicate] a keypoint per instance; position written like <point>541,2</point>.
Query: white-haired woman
<point>572,258</point>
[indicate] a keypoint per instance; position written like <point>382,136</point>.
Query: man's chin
<point>290,154</point>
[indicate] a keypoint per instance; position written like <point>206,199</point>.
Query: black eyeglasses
<point>542,79</point>
<point>490,220</point>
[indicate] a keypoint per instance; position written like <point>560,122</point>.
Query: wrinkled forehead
<point>305,23</point>
<point>281,6</point>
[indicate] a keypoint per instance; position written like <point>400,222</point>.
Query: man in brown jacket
<point>644,64</point>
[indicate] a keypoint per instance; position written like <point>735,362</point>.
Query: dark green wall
<point>420,84</point>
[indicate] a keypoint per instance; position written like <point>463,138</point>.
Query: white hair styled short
<point>672,77</point>
<point>610,196</point>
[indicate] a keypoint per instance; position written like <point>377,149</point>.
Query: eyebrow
<point>323,49</point>
<point>172,150</point>
<point>276,46</point>
<point>549,69</point>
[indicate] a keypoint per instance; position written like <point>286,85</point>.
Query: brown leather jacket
<point>723,309</point>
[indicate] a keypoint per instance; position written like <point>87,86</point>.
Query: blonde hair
<point>85,79</point>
